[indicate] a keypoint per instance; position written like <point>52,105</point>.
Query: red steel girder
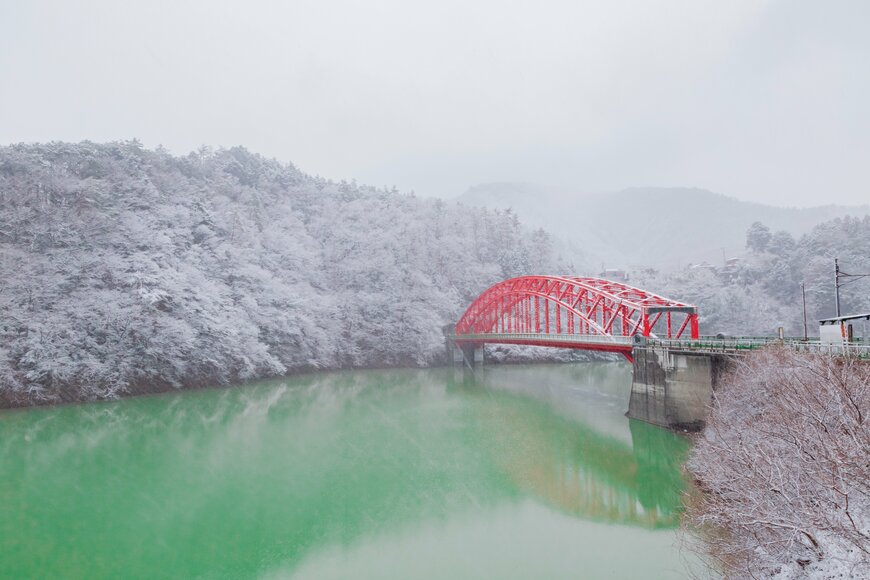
<point>514,306</point>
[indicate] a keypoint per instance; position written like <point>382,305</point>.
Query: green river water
<point>521,472</point>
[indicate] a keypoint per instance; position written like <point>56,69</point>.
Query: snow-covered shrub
<point>784,468</point>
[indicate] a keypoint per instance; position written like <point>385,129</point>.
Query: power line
<point>837,284</point>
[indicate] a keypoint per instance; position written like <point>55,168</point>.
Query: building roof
<point>865,316</point>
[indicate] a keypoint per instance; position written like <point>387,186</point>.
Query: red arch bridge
<point>572,312</point>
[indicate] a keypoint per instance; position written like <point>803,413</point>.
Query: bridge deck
<point>620,344</point>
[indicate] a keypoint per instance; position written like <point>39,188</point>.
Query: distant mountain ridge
<point>648,226</point>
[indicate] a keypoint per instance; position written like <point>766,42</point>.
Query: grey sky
<point>759,100</point>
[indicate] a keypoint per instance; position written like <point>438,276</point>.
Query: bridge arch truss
<point>563,306</point>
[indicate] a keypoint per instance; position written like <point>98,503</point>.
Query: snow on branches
<point>784,468</point>
<point>128,270</point>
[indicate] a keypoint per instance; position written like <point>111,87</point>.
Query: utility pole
<point>804,300</point>
<point>839,274</point>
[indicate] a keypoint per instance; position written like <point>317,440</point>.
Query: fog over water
<point>759,100</point>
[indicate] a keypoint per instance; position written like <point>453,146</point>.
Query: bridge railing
<point>737,344</point>
<point>849,349</point>
<point>532,336</point>
<point>705,343</point>
<point>715,344</point>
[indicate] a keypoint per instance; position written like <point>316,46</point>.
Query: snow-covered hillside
<point>127,270</point>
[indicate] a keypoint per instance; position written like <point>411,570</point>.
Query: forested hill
<point>658,227</point>
<point>127,270</point>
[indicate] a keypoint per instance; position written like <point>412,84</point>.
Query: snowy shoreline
<point>520,356</point>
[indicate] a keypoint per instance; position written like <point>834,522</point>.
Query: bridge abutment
<point>673,388</point>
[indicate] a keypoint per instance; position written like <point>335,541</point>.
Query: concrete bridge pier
<point>470,356</point>
<point>467,355</point>
<point>673,388</point>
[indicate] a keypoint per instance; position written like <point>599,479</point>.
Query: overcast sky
<point>759,100</point>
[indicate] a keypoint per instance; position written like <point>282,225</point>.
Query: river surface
<point>521,472</point>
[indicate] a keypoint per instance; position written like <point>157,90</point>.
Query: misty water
<point>521,472</point>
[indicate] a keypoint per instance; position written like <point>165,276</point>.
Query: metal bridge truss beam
<point>559,305</point>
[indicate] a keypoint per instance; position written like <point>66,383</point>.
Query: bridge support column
<point>471,355</point>
<point>468,355</point>
<point>673,388</point>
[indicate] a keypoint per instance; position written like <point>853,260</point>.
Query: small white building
<point>841,329</point>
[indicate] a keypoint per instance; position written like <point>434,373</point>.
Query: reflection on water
<point>529,471</point>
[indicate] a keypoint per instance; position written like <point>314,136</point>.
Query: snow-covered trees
<point>758,237</point>
<point>761,291</point>
<point>783,468</point>
<point>735,306</point>
<point>781,244</point>
<point>786,263</point>
<point>128,270</point>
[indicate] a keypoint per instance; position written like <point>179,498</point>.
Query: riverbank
<point>79,393</point>
<point>783,469</point>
